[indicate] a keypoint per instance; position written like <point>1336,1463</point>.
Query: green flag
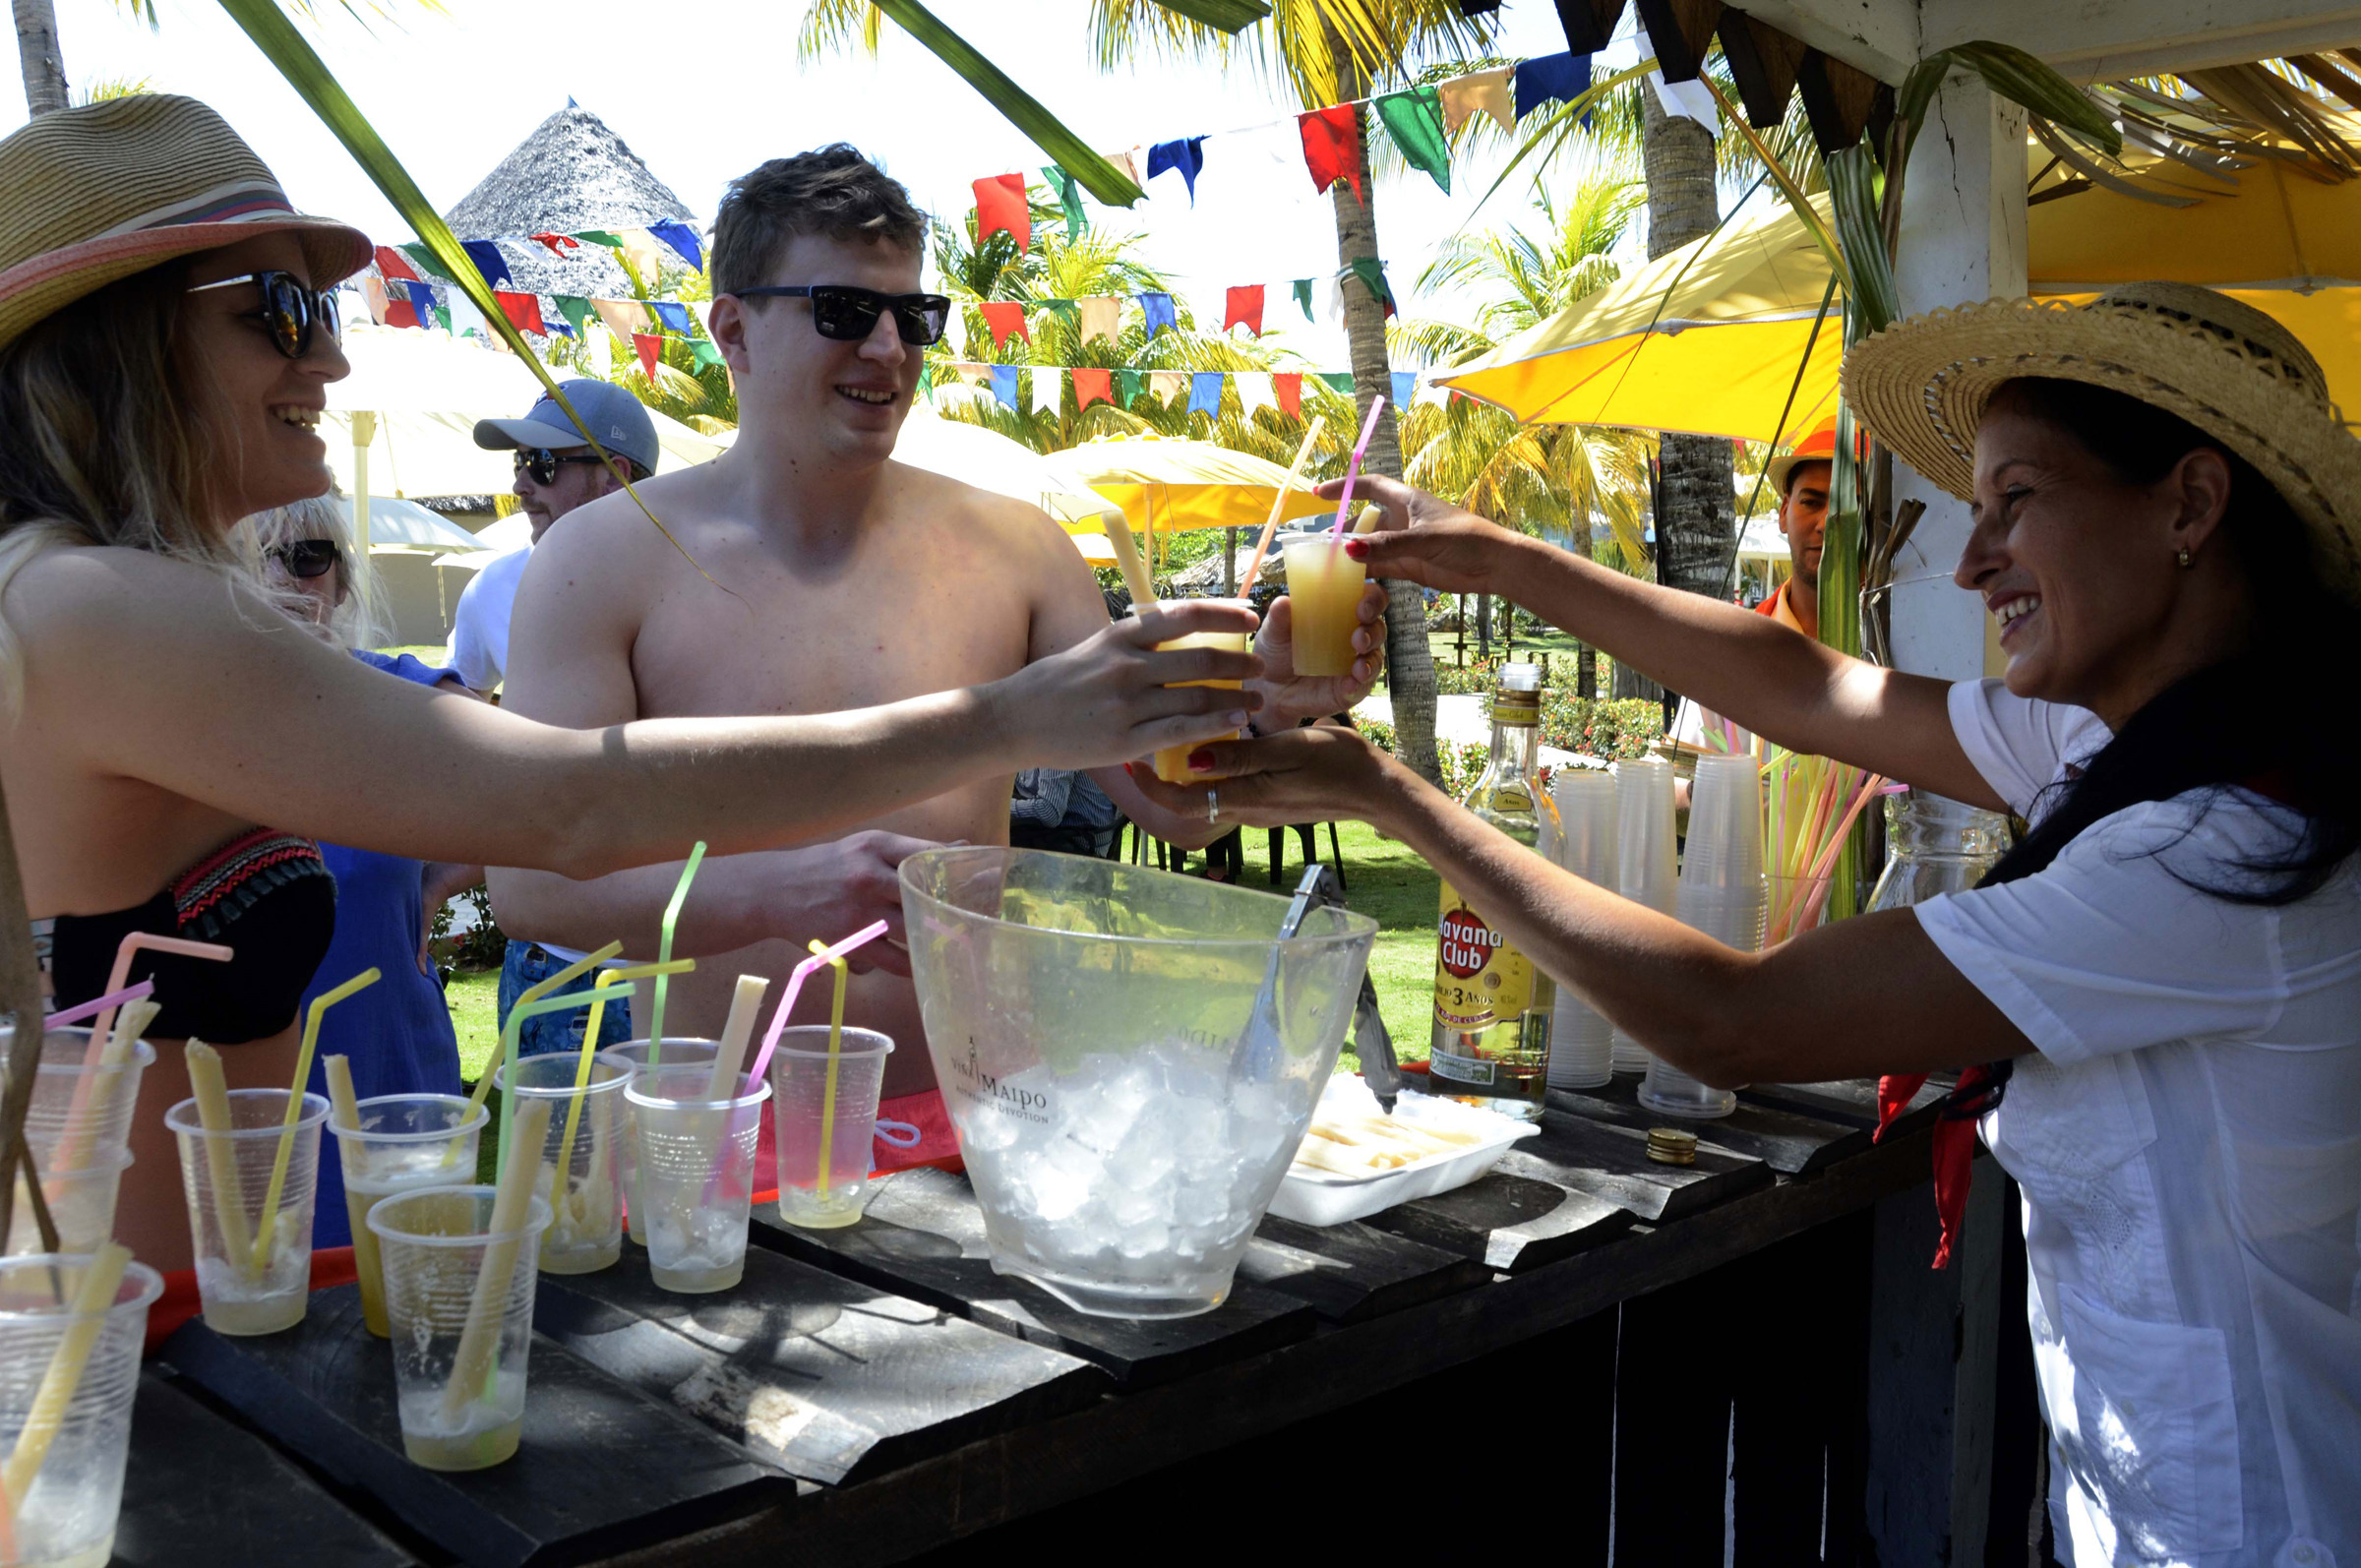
<point>1339,380</point>
<point>599,236</point>
<point>427,266</point>
<point>706,352</point>
<point>1303,290</point>
<point>1371,273</point>
<point>442,314</point>
<point>1127,385</point>
<point>1415,120</point>
<point>1069,197</point>
<point>576,311</point>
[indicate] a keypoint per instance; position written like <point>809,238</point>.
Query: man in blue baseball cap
<point>557,471</point>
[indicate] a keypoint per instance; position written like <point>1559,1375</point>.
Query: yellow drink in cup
<point>1172,761</point>
<point>1323,585</point>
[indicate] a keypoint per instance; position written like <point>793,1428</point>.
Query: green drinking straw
<point>534,993</point>
<point>286,1138</point>
<point>672,916</point>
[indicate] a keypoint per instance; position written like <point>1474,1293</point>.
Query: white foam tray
<point>1323,1197</point>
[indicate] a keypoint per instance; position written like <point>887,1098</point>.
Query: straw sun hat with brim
<point>98,192</point>
<point>1921,386</point>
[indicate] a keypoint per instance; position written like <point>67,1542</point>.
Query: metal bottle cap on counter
<point>1671,1146</point>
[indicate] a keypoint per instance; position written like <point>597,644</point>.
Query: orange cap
<point>1817,446</point>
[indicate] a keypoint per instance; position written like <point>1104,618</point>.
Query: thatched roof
<point>573,173</point>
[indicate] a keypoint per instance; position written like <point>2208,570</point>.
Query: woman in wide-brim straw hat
<point>172,744</point>
<point>2165,512</point>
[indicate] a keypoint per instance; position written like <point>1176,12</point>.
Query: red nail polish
<point>1357,549</point>
<point>1199,760</point>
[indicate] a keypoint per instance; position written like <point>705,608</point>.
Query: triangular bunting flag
<point>576,310</point>
<point>1069,197</point>
<point>1006,319</point>
<point>673,316</point>
<point>639,248</point>
<point>1166,385</point>
<point>1479,92</point>
<point>1158,309</point>
<point>1003,385</point>
<point>1254,392</point>
<point>1128,162</point>
<point>427,265</point>
<point>1102,316</point>
<point>648,347</point>
<point>488,260</point>
<point>1560,77</point>
<point>1205,392</point>
<point>599,236</point>
<point>1415,120</point>
<point>1405,387</point>
<point>1288,386</point>
<point>465,319</point>
<point>1371,274</point>
<point>682,239</point>
<point>373,291</point>
<point>443,320</point>
<point>1338,380</point>
<point>1244,308</point>
<point>1067,311</point>
<point>390,264</point>
<point>1090,386</point>
<point>1127,385</point>
<point>974,372</point>
<point>559,244</point>
<point>553,320</point>
<point>624,318</point>
<point>1332,147</point>
<point>1188,155</point>
<point>708,352</point>
<point>1302,287</point>
<point>1048,395</point>
<point>1000,205</point>
<point>421,295</point>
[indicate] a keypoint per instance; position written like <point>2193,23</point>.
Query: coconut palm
<point>36,49</point>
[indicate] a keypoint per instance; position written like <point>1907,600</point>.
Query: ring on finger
<point>1213,807</point>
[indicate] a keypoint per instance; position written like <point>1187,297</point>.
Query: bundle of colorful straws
<point>1809,807</point>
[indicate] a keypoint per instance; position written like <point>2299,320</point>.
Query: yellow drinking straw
<point>581,1067</point>
<point>827,1105</point>
<point>100,1282</point>
<point>534,993</point>
<point>1270,526</point>
<point>286,1137</point>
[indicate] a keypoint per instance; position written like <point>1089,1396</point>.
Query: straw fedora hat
<point>98,192</point>
<point>1922,383</point>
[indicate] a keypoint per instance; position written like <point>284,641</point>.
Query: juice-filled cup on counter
<point>403,1141</point>
<point>630,1056</point>
<point>226,1177</point>
<point>696,1173</point>
<point>1323,592</point>
<point>435,1244</point>
<point>1172,761</point>
<point>585,1200</point>
<point>82,1205</point>
<point>820,1193</point>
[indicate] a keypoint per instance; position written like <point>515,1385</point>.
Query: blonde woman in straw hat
<point>2166,514</point>
<point>173,744</point>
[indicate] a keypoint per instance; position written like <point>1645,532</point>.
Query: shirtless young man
<point>850,579</point>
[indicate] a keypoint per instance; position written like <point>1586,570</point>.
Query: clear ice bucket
<point>1130,1058</point>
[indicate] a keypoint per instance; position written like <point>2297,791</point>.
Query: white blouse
<point>2188,1136</point>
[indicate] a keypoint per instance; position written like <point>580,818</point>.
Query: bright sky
<point>703,90</point>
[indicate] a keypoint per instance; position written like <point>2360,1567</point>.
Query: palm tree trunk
<point>1409,658</point>
<point>37,47</point>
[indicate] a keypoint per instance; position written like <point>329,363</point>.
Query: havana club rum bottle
<point>1492,1005</point>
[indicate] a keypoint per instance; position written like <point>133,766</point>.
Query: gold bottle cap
<point>1671,1146</point>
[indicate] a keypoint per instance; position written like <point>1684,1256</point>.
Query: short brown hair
<point>834,192</point>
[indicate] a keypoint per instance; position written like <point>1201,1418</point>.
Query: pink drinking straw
<point>131,944</point>
<point>794,982</point>
<point>97,1004</point>
<point>1344,502</point>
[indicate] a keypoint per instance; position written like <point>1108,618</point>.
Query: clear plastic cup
<point>79,1107</point>
<point>1172,761</point>
<point>226,1177</point>
<point>1582,1043</point>
<point>403,1141</point>
<point>696,1173</point>
<point>67,1516</point>
<point>630,1056</point>
<point>799,1079</point>
<point>585,1230</point>
<point>1724,847</point>
<point>434,1243</point>
<point>1646,853</point>
<point>81,1204</point>
<point>1323,592</point>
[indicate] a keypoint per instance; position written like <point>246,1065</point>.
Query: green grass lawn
<point>475,997</point>
<point>1388,883</point>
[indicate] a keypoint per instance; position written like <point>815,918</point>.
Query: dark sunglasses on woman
<point>291,309</point>
<point>305,558</point>
<point>848,315</point>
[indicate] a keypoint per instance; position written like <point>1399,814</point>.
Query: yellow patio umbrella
<point>1174,486</point>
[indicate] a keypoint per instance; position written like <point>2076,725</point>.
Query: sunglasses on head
<point>291,309</point>
<point>543,464</point>
<point>848,315</point>
<point>305,558</point>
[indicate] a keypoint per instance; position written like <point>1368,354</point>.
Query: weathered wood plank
<point>1611,1161</point>
<point>1353,1271</point>
<point>602,1466</point>
<point>201,1491</point>
<point>826,1378</point>
<point>1509,1221</point>
<point>923,1237</point>
<point>1787,1141</point>
<point>1851,1101</point>
<point>1672,1393</point>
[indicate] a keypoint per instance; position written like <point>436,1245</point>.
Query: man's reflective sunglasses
<point>305,558</point>
<point>291,309</point>
<point>542,463</point>
<point>848,315</point>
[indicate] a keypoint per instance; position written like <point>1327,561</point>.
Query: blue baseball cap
<point>611,415</point>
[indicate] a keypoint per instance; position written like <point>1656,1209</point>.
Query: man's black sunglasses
<point>306,558</point>
<point>291,309</point>
<point>542,463</point>
<point>849,315</point>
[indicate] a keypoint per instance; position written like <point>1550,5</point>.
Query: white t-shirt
<point>480,628</point>
<point>2188,1135</point>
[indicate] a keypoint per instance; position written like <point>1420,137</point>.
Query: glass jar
<point>1935,845</point>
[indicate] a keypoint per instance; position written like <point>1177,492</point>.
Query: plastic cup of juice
<point>403,1141</point>
<point>586,1199</point>
<point>1172,761</point>
<point>241,1292</point>
<point>799,1081</point>
<point>697,1173</point>
<point>1323,592</point>
<point>630,1056</point>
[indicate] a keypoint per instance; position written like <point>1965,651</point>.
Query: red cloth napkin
<point>1955,1145</point>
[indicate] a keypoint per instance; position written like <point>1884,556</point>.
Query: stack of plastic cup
<point>585,1200</point>
<point>628,1057</point>
<point>696,1173</point>
<point>1582,1042</point>
<point>79,1128</point>
<point>250,1284</point>
<point>82,1205</point>
<point>435,1242</point>
<point>1723,894</point>
<point>1646,855</point>
<point>818,1192</point>
<point>69,1501</point>
<point>403,1141</point>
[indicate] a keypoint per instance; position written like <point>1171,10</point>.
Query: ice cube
<point>1201,1203</point>
<point>1144,1242</point>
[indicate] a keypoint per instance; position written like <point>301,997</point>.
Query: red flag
<point>649,344</point>
<point>400,313</point>
<point>1244,305</point>
<point>1289,386</point>
<point>559,244</point>
<point>1000,205</point>
<point>1092,385</point>
<point>1006,319</point>
<point>391,263</point>
<point>1332,147</point>
<point>524,311</point>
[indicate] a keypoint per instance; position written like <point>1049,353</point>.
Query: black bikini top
<point>268,895</point>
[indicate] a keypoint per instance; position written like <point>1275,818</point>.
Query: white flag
<point>1254,392</point>
<point>1048,389</point>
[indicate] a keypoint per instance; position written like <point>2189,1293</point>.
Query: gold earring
<point>2183,556</point>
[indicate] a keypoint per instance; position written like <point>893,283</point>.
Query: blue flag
<point>1406,381</point>
<point>488,260</point>
<point>1205,392</point>
<point>1563,77</point>
<point>682,239</point>
<point>1188,155</point>
<point>1003,385</point>
<point>1158,307</point>
<point>673,316</point>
